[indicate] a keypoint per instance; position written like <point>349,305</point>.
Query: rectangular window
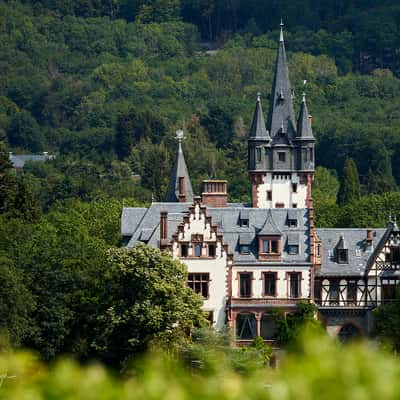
<point>197,249</point>
<point>292,223</point>
<point>334,292</point>
<point>258,154</point>
<point>266,246</point>
<point>294,205</point>
<point>342,256</point>
<point>199,283</point>
<point>294,187</point>
<point>293,249</point>
<point>269,284</point>
<point>281,156</point>
<point>311,155</point>
<point>244,223</point>
<point>184,250</point>
<point>395,255</point>
<point>388,289</point>
<point>269,195</point>
<point>274,246</point>
<point>279,205</point>
<point>245,284</point>
<point>351,292</point>
<point>294,284</point>
<point>270,246</point>
<point>211,250</point>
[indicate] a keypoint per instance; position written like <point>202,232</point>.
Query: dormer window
<point>342,252</point>
<point>292,218</point>
<point>282,156</point>
<point>293,241</point>
<point>342,256</point>
<point>245,240</point>
<point>244,249</point>
<point>244,218</point>
<point>270,246</point>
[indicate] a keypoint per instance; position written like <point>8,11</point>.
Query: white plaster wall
<point>282,284</point>
<point>217,267</point>
<point>281,187</point>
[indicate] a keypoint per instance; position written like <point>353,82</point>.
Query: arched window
<point>268,327</point>
<point>197,249</point>
<point>246,327</point>
<point>348,332</point>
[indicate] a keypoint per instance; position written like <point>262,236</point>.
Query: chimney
<point>369,237</point>
<point>215,193</point>
<point>163,229</point>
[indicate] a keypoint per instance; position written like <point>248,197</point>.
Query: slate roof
<point>137,222</point>
<point>304,130</point>
<point>179,170</point>
<point>19,160</point>
<point>281,106</point>
<point>354,239</point>
<point>258,129</point>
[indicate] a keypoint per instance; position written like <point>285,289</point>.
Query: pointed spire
<point>258,129</point>
<point>180,187</point>
<point>304,129</point>
<point>281,106</point>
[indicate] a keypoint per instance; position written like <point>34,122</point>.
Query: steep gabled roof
<point>270,227</point>
<point>281,105</point>
<point>179,171</point>
<point>258,129</point>
<point>304,130</point>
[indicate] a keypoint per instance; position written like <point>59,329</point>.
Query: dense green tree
<point>387,323</point>
<point>25,132</point>
<point>144,300</point>
<point>350,184</point>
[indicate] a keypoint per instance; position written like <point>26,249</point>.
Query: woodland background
<point>104,84</point>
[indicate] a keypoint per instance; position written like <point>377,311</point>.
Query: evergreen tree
<point>350,185</point>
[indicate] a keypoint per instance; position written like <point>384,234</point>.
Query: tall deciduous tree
<point>350,185</point>
<point>145,299</point>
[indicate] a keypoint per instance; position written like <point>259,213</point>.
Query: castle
<point>246,260</point>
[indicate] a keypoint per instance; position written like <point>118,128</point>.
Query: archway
<point>246,326</point>
<point>348,332</point>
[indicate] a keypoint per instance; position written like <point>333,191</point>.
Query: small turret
<point>180,187</point>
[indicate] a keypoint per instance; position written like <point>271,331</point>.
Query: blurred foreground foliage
<point>320,368</point>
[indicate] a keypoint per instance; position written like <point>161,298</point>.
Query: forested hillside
<point>104,84</point>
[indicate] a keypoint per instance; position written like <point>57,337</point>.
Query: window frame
<point>289,284</point>
<point>240,275</point>
<point>282,156</point>
<point>200,281</point>
<point>275,280</point>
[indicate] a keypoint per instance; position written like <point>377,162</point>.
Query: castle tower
<point>281,154</point>
<point>180,187</point>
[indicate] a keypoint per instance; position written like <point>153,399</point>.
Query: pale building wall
<point>282,191</point>
<point>216,267</point>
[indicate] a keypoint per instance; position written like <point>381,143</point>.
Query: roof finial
<point>390,216</point>
<point>180,135</point>
<point>258,96</point>
<point>281,35</point>
<point>304,97</point>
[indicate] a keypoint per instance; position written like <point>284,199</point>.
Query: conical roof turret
<point>281,104</point>
<point>180,187</point>
<point>258,129</point>
<point>304,129</point>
